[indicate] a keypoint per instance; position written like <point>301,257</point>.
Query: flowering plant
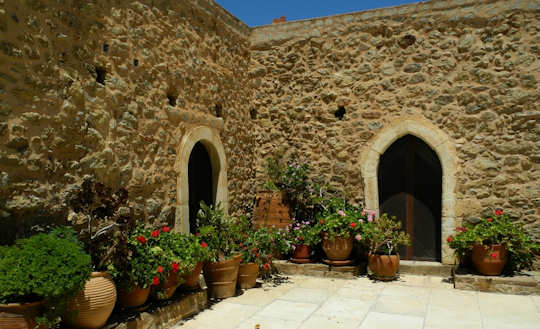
<point>218,232</point>
<point>340,219</point>
<point>279,240</point>
<point>496,229</point>
<point>302,233</point>
<point>384,235</point>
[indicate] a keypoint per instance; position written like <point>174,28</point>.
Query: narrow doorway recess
<point>410,188</point>
<point>200,182</point>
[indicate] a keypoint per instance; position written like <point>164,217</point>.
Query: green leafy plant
<point>51,266</point>
<point>340,219</point>
<point>279,241</point>
<point>218,231</point>
<point>383,235</point>
<point>302,233</point>
<point>496,229</point>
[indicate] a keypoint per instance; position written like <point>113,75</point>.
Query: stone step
<point>526,283</point>
<point>425,268</point>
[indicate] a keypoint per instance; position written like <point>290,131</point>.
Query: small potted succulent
<point>495,244</point>
<point>218,232</point>
<point>339,223</point>
<point>383,237</point>
<point>38,276</point>
<point>303,237</point>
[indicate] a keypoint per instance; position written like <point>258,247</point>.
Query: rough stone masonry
<point>110,88</point>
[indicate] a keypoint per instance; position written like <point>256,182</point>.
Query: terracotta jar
<point>247,275</point>
<point>168,288</point>
<point>221,277</point>
<point>191,280</point>
<point>92,306</point>
<point>384,267</point>
<point>301,251</point>
<point>489,260</point>
<point>19,316</point>
<point>338,248</point>
<point>133,298</point>
<point>271,209</point>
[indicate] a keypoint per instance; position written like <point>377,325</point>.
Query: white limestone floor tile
<point>359,292</point>
<point>330,322</point>
<point>345,308</point>
<point>492,304</point>
<point>306,295</point>
<point>407,305</point>
<point>328,284</point>
<point>267,323</point>
<point>443,318</point>
<point>376,320</point>
<point>288,310</point>
<point>395,290</point>
<point>536,300</point>
<point>512,321</point>
<point>258,296</point>
<point>222,316</point>
<point>455,300</point>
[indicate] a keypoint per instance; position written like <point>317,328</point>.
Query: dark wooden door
<point>410,188</point>
<point>200,182</point>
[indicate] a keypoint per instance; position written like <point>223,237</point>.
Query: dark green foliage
<point>218,231</point>
<point>339,218</point>
<point>384,235</point>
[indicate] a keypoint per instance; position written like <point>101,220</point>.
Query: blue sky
<point>262,12</point>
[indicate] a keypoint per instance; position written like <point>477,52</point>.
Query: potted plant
<point>99,215</point>
<point>256,250</point>
<point>280,245</point>
<point>303,237</point>
<point>217,232</point>
<point>495,244</point>
<point>339,223</point>
<point>383,237</point>
<point>38,276</point>
<point>196,253</point>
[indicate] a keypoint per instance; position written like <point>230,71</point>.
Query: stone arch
<point>210,139</point>
<point>445,149</point>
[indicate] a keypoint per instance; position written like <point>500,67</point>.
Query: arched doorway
<point>410,187</point>
<point>199,182</point>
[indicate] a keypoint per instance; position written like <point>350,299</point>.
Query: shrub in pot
<point>302,236</point>
<point>256,250</point>
<point>218,232</point>
<point>383,237</point>
<point>279,244</point>
<point>495,243</point>
<point>38,276</point>
<point>339,223</point>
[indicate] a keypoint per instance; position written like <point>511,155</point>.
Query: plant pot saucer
<point>338,262</point>
<point>301,260</point>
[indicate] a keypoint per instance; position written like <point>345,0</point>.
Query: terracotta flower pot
<point>134,298</point>
<point>92,307</point>
<point>384,267</point>
<point>191,280</point>
<point>338,248</point>
<point>247,275</point>
<point>19,316</point>
<point>489,260</point>
<point>168,288</point>
<point>301,251</point>
<point>221,277</point>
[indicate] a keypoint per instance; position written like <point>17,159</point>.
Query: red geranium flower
<point>155,281</point>
<point>353,225</point>
<point>166,229</point>
<point>204,244</point>
<point>448,239</point>
<point>155,234</point>
<point>197,234</point>
<point>494,255</point>
<point>240,244</point>
<point>174,267</point>
<point>463,229</point>
<point>266,266</point>
<point>160,269</point>
<point>321,221</point>
<point>498,212</point>
<point>490,219</point>
<point>141,239</point>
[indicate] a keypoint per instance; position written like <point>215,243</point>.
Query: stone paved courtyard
<point>413,302</point>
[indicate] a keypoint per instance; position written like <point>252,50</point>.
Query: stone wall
<point>467,68</point>
<point>58,123</point>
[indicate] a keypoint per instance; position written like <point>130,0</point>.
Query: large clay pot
<point>247,275</point>
<point>191,280</point>
<point>168,288</point>
<point>301,251</point>
<point>19,316</point>
<point>221,277</point>
<point>92,307</point>
<point>489,260</point>
<point>133,298</point>
<point>338,248</point>
<point>271,209</point>
<point>384,267</point>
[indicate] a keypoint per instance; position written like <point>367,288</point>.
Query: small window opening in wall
<point>218,110</point>
<point>135,62</point>
<point>340,113</point>
<point>253,114</point>
<point>105,47</point>
<point>407,40</point>
<point>172,99</point>
<point>100,75</point>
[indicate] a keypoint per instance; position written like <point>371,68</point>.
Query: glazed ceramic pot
<point>384,267</point>
<point>221,277</point>
<point>19,316</point>
<point>338,248</point>
<point>247,275</point>
<point>489,260</point>
<point>92,307</point>
<point>134,298</point>
<point>191,280</point>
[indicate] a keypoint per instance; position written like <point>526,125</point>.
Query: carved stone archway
<point>445,149</point>
<point>209,137</point>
